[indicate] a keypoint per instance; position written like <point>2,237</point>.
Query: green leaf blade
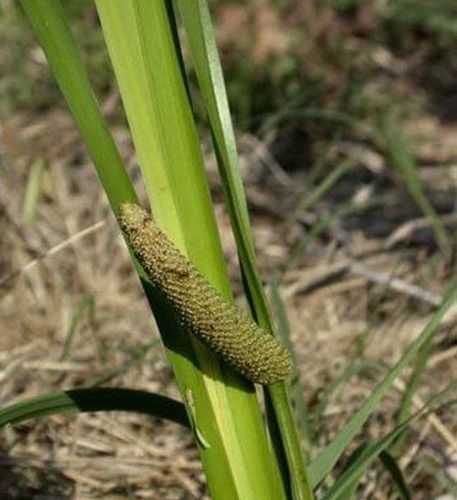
<point>95,400</point>
<point>325,461</point>
<point>48,21</point>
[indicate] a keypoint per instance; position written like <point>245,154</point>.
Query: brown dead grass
<point>130,456</point>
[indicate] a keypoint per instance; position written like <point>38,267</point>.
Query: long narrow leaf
<point>85,304</point>
<point>96,399</point>
<point>390,464</point>
<point>48,21</point>
<point>364,455</point>
<point>361,463</point>
<point>324,463</point>
<point>300,409</point>
<point>411,387</point>
<point>396,149</point>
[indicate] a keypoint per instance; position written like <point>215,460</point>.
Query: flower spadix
<point>218,323</point>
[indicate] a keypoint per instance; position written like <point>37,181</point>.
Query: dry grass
<point>123,455</point>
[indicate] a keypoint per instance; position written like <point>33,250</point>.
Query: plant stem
<point>299,482</point>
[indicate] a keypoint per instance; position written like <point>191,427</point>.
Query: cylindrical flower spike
<point>217,322</point>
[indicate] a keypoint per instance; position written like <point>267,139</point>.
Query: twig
<point>260,149</point>
<point>335,271</point>
<point>319,277</point>
<point>405,231</point>
<point>52,251</point>
<point>396,284</point>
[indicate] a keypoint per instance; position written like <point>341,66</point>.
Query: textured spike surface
<point>217,322</point>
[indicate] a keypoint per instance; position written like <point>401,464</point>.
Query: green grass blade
<point>395,147</point>
<point>96,399</point>
<point>136,358</point>
<point>411,387</point>
<point>366,456</point>
<point>327,183</point>
<point>350,491</point>
<point>353,369</point>
<point>390,464</point>
<point>48,21</point>
<point>351,483</point>
<point>85,304</point>
<point>324,463</point>
<point>197,23</point>
<point>437,471</point>
<point>301,410</point>
<point>32,191</point>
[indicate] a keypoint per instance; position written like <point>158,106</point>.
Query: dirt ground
<point>358,285</point>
